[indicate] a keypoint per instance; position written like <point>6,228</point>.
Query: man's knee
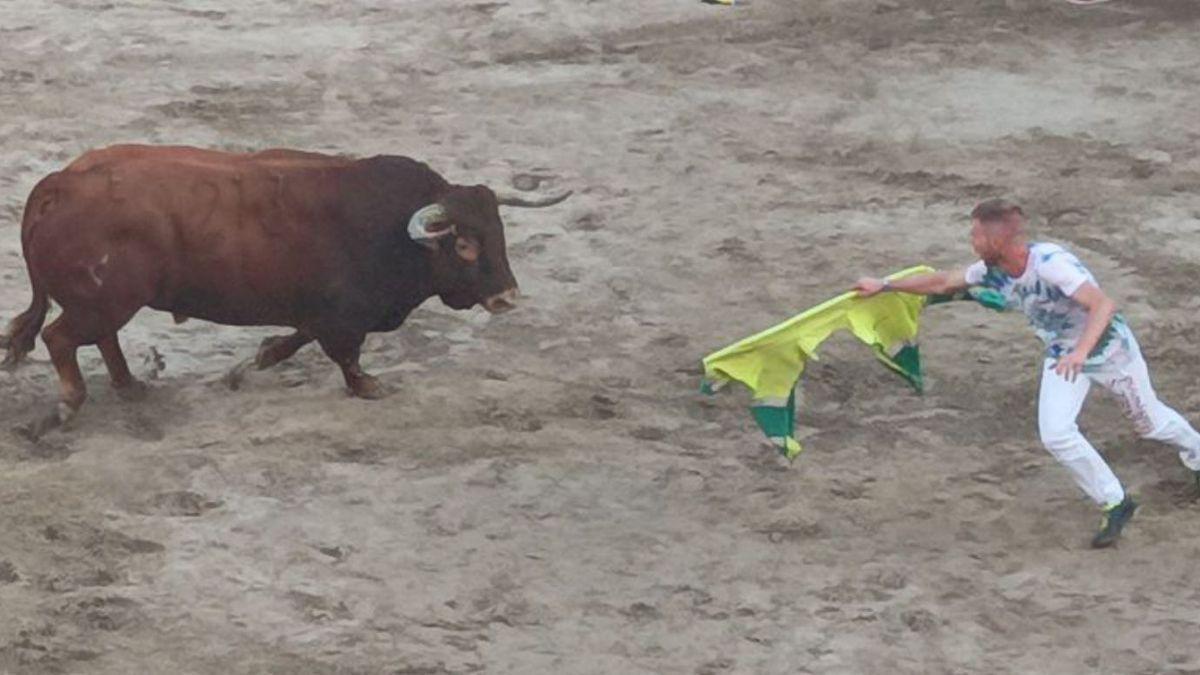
<point>1063,441</point>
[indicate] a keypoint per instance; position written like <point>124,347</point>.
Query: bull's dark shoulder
<point>387,274</point>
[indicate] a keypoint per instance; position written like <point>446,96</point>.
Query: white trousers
<point>1126,376</point>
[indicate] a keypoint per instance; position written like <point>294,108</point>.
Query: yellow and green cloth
<point>770,363</point>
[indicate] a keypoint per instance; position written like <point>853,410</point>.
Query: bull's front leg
<point>279,348</point>
<point>344,349</point>
<point>272,350</point>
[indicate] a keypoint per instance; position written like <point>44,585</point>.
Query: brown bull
<point>333,247</point>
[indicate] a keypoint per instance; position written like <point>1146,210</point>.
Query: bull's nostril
<point>501,302</point>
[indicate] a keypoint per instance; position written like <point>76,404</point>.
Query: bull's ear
<point>467,249</point>
<point>428,224</point>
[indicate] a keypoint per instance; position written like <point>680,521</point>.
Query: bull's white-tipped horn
<point>509,199</point>
<point>421,222</point>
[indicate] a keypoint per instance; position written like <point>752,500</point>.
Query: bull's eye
<point>466,249</point>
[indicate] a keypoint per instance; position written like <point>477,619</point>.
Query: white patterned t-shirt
<point>1052,275</point>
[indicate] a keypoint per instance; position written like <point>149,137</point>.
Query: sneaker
<point>1115,518</point>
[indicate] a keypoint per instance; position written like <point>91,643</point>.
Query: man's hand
<point>868,286</point>
<point>1069,366</point>
<point>931,283</point>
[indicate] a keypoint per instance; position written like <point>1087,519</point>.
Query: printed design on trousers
<point>1131,401</point>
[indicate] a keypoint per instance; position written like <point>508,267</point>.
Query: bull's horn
<point>422,220</point>
<point>509,199</point>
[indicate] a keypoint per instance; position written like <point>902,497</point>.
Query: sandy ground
<point>546,492</point>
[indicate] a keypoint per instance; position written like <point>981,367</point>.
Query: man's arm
<point>1101,310</point>
<point>932,283</point>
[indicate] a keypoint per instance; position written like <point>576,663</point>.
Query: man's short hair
<point>997,211</point>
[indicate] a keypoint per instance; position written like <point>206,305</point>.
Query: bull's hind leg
<point>100,282</point>
<point>62,339</point>
<point>345,350</point>
<point>127,387</point>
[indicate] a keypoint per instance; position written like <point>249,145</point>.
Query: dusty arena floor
<point>546,492</point>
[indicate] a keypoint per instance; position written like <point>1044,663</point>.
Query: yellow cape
<point>771,362</point>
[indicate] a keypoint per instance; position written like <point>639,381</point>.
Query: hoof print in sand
<point>317,609</point>
<point>110,613</point>
<point>180,503</point>
<point>919,620</point>
<point>8,573</point>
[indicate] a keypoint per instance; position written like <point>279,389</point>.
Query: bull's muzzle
<point>502,302</point>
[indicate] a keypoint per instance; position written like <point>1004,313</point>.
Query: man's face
<point>986,241</point>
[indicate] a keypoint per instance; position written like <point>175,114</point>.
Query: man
<point>1086,341</point>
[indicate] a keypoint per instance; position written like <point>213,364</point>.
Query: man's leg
<point>1059,404</point>
<point>1130,381</point>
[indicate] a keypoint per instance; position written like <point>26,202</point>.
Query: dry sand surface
<point>545,491</point>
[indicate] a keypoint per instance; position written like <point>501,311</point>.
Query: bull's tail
<point>19,337</point>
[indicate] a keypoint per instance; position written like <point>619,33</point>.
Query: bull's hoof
<point>267,356</point>
<point>370,388</point>
<point>12,359</point>
<point>134,390</point>
<point>35,429</point>
<point>237,375</point>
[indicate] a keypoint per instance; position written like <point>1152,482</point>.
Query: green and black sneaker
<point>1115,518</point>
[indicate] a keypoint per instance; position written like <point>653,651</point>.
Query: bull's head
<point>465,236</point>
